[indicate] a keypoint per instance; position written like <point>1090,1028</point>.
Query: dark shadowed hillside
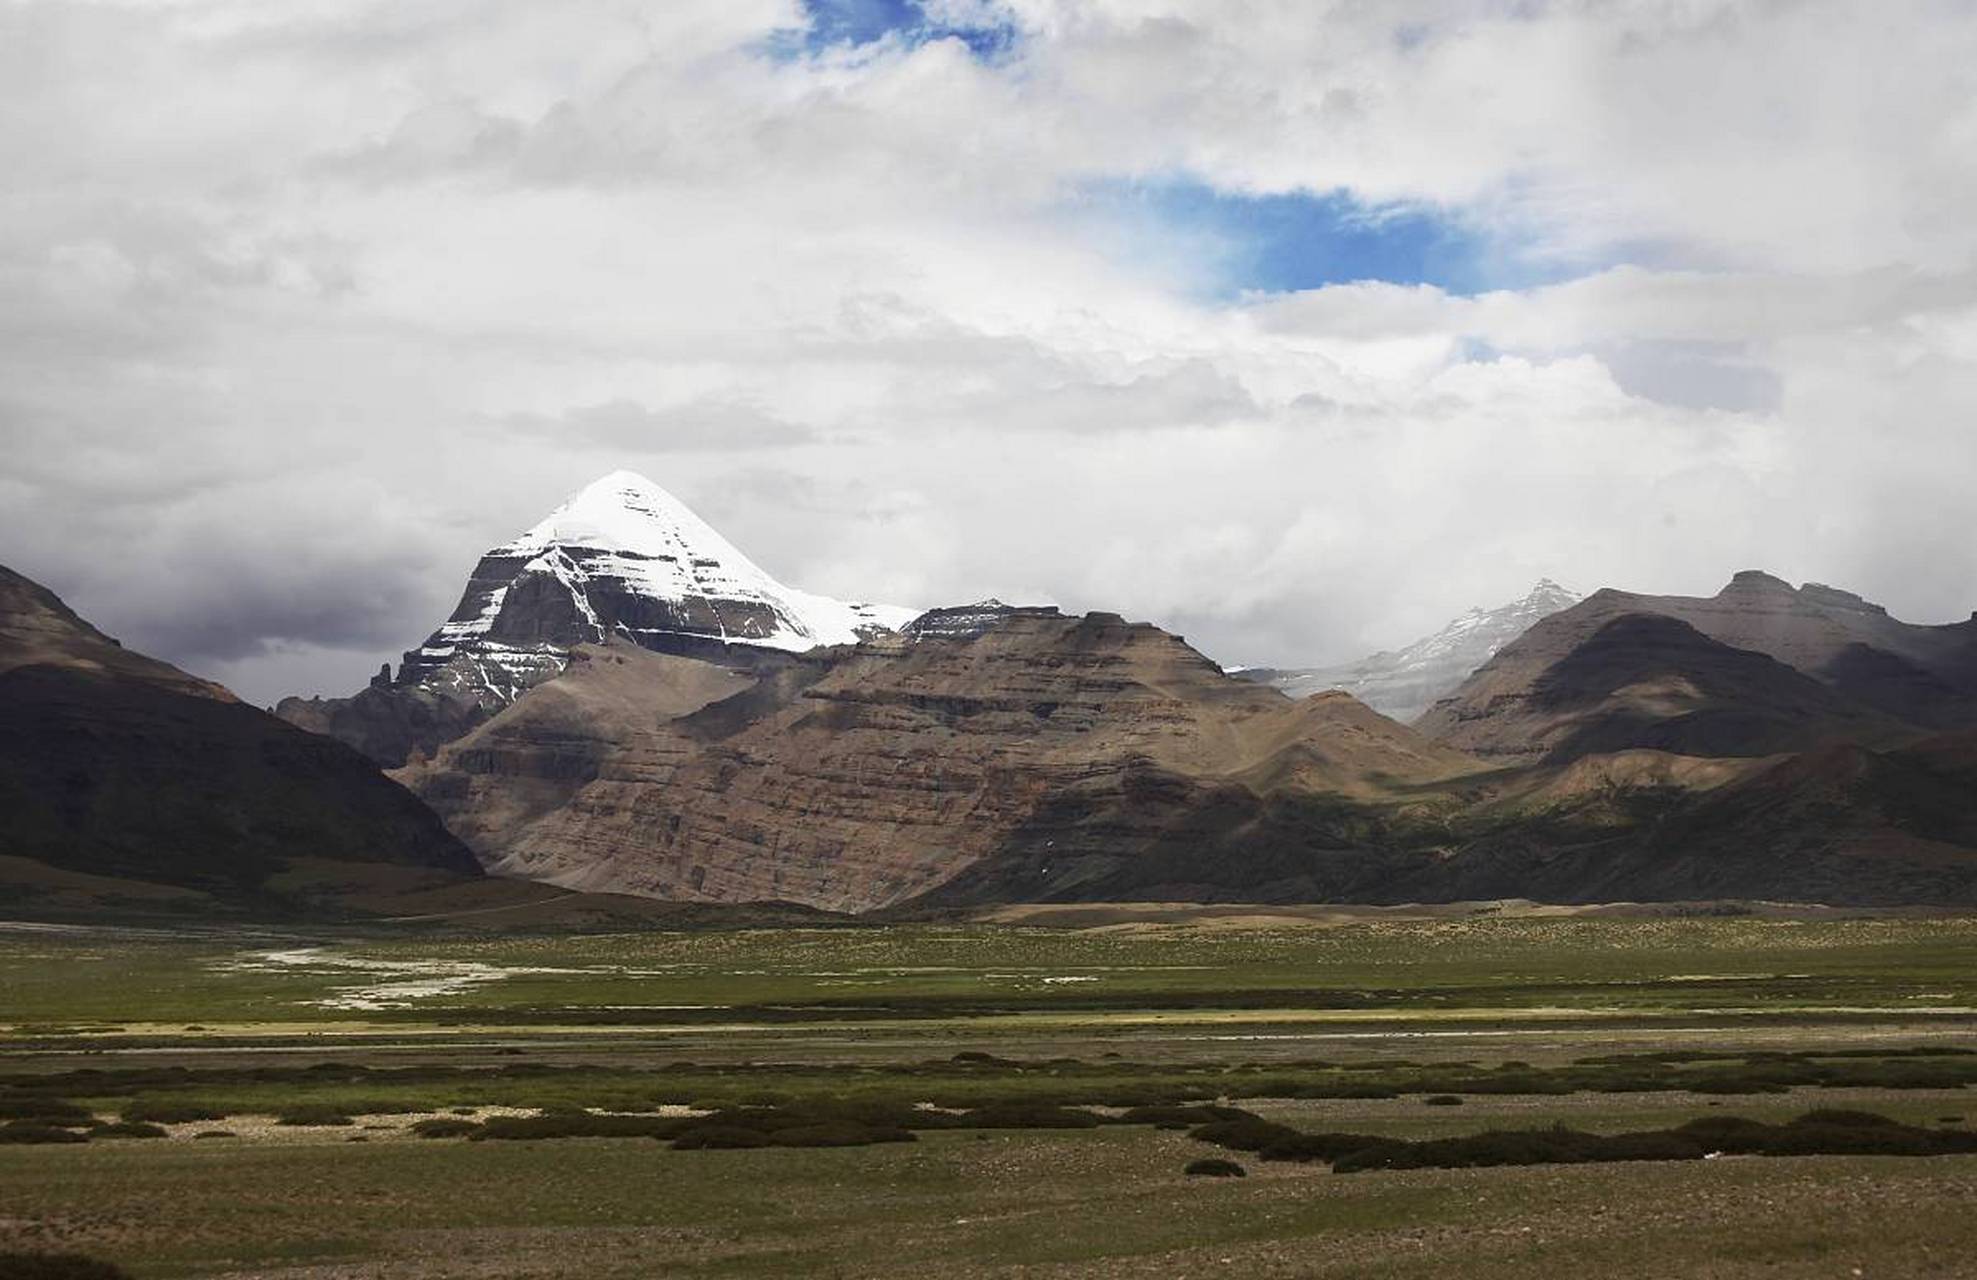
<point>118,765</point>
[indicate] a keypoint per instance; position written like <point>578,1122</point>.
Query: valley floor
<point>317,1053</point>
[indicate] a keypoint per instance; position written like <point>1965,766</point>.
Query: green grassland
<point>1421,967</point>
<point>1108,1201</point>
<point>1605,1025</point>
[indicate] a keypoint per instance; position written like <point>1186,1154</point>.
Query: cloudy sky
<point>1296,327</point>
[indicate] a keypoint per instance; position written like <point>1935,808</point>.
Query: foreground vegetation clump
<point>826,1126</point>
<point>1823,1132</point>
<point>21,1133</point>
<point>57,1266</point>
<point>444,1127</point>
<point>999,1091</point>
<point>46,1110</point>
<point>1179,1116</point>
<point>1024,1116</point>
<point>1214,1168</point>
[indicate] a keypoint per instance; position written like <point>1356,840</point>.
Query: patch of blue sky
<point>853,23</point>
<point>1242,243</point>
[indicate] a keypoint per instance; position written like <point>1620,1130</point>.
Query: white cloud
<point>301,306</point>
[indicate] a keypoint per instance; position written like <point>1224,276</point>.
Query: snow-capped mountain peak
<point>622,557</point>
<point>625,512</point>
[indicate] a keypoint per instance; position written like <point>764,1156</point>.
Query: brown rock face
<point>606,724</point>
<point>858,778</point>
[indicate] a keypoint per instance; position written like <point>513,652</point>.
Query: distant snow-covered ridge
<point>1404,683</point>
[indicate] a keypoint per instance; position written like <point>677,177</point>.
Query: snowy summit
<point>622,557</point>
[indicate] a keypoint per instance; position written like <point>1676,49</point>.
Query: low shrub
<point>1815,1133</point>
<point>27,1106</point>
<point>1175,1116</point>
<point>1649,1144</point>
<point>1214,1168</point>
<point>215,1133</point>
<point>1518,1147</point>
<point>1250,1133</point>
<point>1442,1100</point>
<point>129,1129</point>
<point>444,1127</point>
<point>22,1133</point>
<point>57,1266</point>
<point>1021,1115</point>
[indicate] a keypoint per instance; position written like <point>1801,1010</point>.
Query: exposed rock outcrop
<point>862,778</point>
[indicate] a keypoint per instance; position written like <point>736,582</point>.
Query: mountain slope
<point>116,764</point>
<point>620,559</point>
<point>854,779</point>
<point>1843,825</point>
<point>1645,681</point>
<point>1840,824</point>
<point>1405,683</point>
<point>1875,677</point>
<point>1925,676</point>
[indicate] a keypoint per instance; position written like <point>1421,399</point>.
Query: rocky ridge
<point>866,777</point>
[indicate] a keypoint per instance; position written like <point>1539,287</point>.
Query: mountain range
<point>624,704</point>
<point>869,776</point>
<point>1756,669</point>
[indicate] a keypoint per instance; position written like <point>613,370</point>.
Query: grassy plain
<point>1329,1022</point>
